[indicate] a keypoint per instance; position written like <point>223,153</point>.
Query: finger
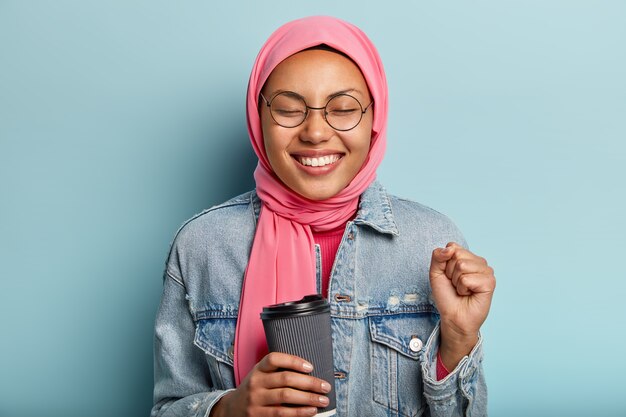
<point>454,245</point>
<point>459,254</point>
<point>277,360</point>
<point>468,266</point>
<point>298,381</point>
<point>439,259</point>
<point>469,284</point>
<point>450,266</point>
<point>295,397</point>
<point>282,411</point>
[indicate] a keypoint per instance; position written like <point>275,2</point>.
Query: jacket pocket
<point>216,337</point>
<point>396,352</point>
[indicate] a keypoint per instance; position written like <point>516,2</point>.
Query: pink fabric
<point>442,371</point>
<point>282,262</point>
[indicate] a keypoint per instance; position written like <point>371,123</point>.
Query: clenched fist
<point>462,284</point>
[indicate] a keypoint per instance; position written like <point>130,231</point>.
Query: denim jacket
<point>385,325</point>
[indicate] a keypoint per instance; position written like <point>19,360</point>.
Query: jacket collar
<point>374,209</point>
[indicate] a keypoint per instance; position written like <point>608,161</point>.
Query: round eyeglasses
<point>342,111</point>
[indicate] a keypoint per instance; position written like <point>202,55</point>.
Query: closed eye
<point>343,112</point>
<point>288,113</point>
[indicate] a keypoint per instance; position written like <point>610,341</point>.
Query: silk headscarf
<point>282,261</point>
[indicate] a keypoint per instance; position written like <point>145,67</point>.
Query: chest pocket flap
<point>406,332</point>
<point>216,337</point>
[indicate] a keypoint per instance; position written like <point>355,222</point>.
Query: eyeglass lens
<point>342,112</point>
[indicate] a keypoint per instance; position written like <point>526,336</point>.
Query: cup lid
<point>308,305</point>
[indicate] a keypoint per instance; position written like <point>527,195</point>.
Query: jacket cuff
<point>213,398</point>
<point>464,377</point>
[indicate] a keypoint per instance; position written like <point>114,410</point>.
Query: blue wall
<point>121,119</point>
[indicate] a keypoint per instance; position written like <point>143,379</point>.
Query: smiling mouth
<point>319,161</point>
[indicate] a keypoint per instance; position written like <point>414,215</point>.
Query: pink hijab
<point>282,262</point>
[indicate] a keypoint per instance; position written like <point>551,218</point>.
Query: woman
<point>406,312</point>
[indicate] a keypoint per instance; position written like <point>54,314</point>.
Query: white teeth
<point>319,162</point>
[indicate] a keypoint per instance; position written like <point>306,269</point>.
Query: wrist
<point>215,411</point>
<point>454,345</point>
<point>454,337</point>
<point>218,409</point>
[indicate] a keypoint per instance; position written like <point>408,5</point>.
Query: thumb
<point>439,261</point>
<point>443,290</point>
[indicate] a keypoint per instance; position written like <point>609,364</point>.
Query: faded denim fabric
<point>384,322</point>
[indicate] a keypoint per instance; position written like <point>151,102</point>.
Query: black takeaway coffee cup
<point>302,328</point>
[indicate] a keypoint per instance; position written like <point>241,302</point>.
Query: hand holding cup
<point>278,379</point>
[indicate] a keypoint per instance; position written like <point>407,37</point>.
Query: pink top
<point>442,371</point>
<point>329,243</point>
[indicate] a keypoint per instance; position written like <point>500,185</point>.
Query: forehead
<point>314,71</point>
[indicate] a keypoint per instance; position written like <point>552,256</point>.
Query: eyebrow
<point>349,90</point>
<point>328,97</point>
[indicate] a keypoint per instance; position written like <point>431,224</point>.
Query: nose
<point>315,129</point>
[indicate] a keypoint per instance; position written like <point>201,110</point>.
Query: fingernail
<point>325,387</point>
<point>445,250</point>
<point>323,400</point>
<point>307,366</point>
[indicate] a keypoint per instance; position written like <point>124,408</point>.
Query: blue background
<point>121,119</point>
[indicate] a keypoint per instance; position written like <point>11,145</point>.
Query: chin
<point>318,194</point>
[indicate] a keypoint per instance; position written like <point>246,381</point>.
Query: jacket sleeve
<point>182,384</point>
<point>463,392</point>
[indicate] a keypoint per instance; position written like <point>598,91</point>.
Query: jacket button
<point>415,344</point>
<point>350,236</point>
<point>342,298</point>
<point>231,351</point>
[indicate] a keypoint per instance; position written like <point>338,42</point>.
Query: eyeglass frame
<point>307,107</point>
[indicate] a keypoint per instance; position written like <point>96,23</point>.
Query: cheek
<point>271,150</point>
<point>363,142</point>
<point>265,128</point>
<point>271,141</point>
<point>361,148</point>
<point>363,154</point>
<point>276,143</point>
